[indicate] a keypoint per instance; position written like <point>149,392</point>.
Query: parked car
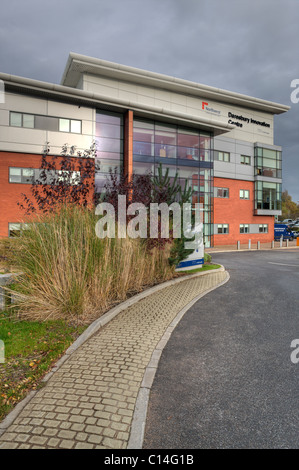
<point>287,221</point>
<point>295,229</point>
<point>283,230</point>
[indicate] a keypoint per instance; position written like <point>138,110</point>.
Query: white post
<point>238,245</point>
<point>249,244</point>
<point>280,241</point>
<point>258,245</point>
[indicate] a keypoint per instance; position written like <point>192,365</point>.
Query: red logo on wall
<point>203,104</point>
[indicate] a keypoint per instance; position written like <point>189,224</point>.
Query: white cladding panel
<point>245,120</point>
<point>20,139</point>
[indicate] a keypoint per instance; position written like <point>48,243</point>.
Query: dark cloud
<point>247,46</point>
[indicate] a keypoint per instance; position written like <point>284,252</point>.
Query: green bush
<point>207,258</point>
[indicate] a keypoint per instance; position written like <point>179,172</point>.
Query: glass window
<point>188,153</point>
<point>14,230</point>
<point>109,118</point>
<point>184,149</point>
<point>143,135</point>
<point>245,160</point>
<point>75,126</point>
<point>244,228</point>
<point>222,156</point>
<point>16,119</point>
<point>109,145</point>
<point>165,151</point>
<point>222,228</point>
<point>28,121</point>
<point>165,138</point>
<point>15,175</point>
<point>267,195</point>
<point>263,228</point>
<point>222,192</point>
<point>205,140</point>
<point>188,139</point>
<point>64,125</point>
<point>268,162</point>
<point>244,194</point>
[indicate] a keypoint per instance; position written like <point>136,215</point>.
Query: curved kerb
<point>140,413</point>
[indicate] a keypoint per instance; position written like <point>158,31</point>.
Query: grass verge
<point>31,349</point>
<point>206,267</point>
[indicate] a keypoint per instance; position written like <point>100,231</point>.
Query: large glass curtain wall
<point>267,195</point>
<point>109,140</point>
<point>267,162</point>
<point>184,151</point>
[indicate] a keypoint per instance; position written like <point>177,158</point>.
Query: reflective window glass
<point>64,125</point>
<point>16,119</point>
<point>76,126</point>
<point>28,121</point>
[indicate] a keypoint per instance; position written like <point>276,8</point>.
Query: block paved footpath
<point>89,401</point>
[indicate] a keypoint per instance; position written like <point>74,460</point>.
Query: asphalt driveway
<point>225,378</point>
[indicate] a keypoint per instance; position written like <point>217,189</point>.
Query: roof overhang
<point>78,64</point>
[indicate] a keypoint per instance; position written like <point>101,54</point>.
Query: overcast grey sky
<point>246,46</point>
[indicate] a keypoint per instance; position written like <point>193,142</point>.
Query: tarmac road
<point>225,378</point>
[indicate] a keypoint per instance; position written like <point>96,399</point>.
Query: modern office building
<point>220,142</point>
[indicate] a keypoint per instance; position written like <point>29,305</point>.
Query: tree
<point>147,189</point>
<point>65,179</point>
<point>289,209</point>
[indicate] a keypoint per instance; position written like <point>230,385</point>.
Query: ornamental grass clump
<point>69,273</point>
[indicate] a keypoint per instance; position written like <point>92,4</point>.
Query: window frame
<point>243,227</point>
<point>246,160</point>
<point>35,126</point>
<point>245,191</point>
<point>223,227</point>
<point>223,160</point>
<point>224,192</point>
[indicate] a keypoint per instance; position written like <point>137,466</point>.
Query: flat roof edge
<point>139,75</point>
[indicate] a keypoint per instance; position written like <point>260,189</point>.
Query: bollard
<point>280,241</point>
<point>258,245</point>
<point>287,242</point>
<point>238,245</point>
<point>249,244</point>
<point>5,279</point>
<point>297,241</point>
<point>272,244</point>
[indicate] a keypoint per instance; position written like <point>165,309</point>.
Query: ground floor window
<point>15,229</point>
<point>244,228</point>
<point>222,228</point>
<point>263,228</point>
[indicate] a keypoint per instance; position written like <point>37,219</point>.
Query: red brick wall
<point>235,211</point>
<point>11,193</point>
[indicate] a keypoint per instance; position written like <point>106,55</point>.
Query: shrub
<point>207,258</point>
<point>70,273</point>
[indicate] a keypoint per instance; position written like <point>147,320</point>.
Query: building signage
<point>206,107</point>
<point>244,120</point>
<point>235,119</point>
